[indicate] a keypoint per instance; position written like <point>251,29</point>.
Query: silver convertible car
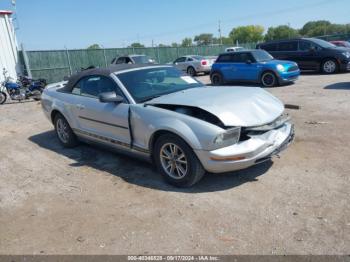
<point>158,113</point>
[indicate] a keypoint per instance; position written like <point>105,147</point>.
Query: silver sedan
<point>194,64</point>
<point>171,119</point>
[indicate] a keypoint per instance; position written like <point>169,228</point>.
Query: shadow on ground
<point>141,173</point>
<point>339,86</point>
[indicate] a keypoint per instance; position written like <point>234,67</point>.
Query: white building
<point>8,45</point>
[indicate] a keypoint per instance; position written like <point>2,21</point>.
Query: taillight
<point>204,62</point>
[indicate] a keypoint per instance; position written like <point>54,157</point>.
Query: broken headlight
<point>227,138</point>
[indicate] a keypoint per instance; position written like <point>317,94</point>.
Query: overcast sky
<point>54,24</point>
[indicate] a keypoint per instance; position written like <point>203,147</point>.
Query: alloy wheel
<point>173,160</point>
<point>62,130</point>
<point>268,79</point>
<point>329,66</point>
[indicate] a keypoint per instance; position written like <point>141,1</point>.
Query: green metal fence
<point>55,64</point>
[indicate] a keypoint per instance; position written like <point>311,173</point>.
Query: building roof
<point>5,12</point>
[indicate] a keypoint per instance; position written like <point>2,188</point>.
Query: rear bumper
<point>205,69</point>
<point>257,149</point>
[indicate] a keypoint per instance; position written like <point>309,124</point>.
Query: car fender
<point>146,121</point>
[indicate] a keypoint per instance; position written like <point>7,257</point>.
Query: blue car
<point>253,66</point>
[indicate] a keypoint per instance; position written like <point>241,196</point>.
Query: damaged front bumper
<point>257,149</point>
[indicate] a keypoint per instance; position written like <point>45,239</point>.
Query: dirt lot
<point>91,201</point>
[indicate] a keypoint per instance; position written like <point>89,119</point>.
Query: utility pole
<point>288,24</point>
<point>220,37</point>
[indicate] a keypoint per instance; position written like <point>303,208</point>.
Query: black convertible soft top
<point>101,71</point>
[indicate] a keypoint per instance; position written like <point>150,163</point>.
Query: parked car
<point>310,54</point>
<point>194,64</point>
<point>253,66</point>
<point>234,49</point>
<point>159,114</point>
<point>345,44</point>
<point>133,59</point>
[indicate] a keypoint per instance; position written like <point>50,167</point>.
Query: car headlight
<point>227,138</point>
<point>280,68</point>
<point>346,54</point>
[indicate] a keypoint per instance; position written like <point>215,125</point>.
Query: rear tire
<point>329,66</point>
<point>64,132</point>
<point>176,161</point>
<point>3,98</point>
<point>191,71</point>
<point>269,79</point>
<point>217,79</point>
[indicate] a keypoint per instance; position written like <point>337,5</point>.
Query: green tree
<point>94,46</point>
<point>136,45</point>
<point>186,42</point>
<point>247,34</point>
<point>316,28</point>
<point>175,44</point>
<point>203,39</point>
<point>162,45</point>
<point>281,32</point>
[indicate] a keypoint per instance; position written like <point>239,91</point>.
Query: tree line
<point>256,33</point>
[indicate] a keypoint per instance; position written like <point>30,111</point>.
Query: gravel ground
<point>89,200</point>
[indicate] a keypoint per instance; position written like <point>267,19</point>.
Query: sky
<point>56,24</point>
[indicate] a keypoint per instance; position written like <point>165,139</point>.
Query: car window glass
<point>269,47</point>
<point>180,60</point>
<point>306,46</point>
<point>121,60</point>
<point>224,59</point>
<point>189,59</point>
<point>288,46</point>
<point>93,86</point>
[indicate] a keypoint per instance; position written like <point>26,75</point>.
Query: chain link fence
<point>54,65</point>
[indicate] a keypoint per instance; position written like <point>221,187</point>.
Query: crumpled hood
<point>234,106</point>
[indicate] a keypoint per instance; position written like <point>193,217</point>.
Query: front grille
<point>293,68</point>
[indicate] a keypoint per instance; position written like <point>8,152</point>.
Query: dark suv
<point>310,54</point>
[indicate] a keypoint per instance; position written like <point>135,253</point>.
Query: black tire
<point>268,79</point>
<point>36,95</point>
<point>3,98</point>
<point>194,170</point>
<point>70,140</point>
<point>191,71</point>
<point>329,66</point>
<point>217,79</point>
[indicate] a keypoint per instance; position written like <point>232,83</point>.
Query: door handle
<point>80,106</point>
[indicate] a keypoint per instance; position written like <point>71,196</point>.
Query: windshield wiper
<point>149,98</point>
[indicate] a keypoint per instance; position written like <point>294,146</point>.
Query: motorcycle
<point>16,91</point>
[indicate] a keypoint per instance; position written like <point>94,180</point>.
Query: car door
<point>180,63</point>
<point>308,55</point>
<point>227,65</point>
<point>288,50</point>
<point>101,121</point>
<point>247,68</point>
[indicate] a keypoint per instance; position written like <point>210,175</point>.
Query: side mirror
<point>312,49</point>
<point>110,97</point>
<point>249,61</point>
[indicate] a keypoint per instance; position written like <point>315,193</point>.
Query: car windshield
<point>322,43</point>
<point>262,56</point>
<point>148,83</point>
<point>142,59</point>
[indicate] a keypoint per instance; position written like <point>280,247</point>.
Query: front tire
<point>268,79</point>
<point>329,66</point>
<point>64,132</point>
<point>191,71</point>
<point>176,161</point>
<point>3,98</point>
